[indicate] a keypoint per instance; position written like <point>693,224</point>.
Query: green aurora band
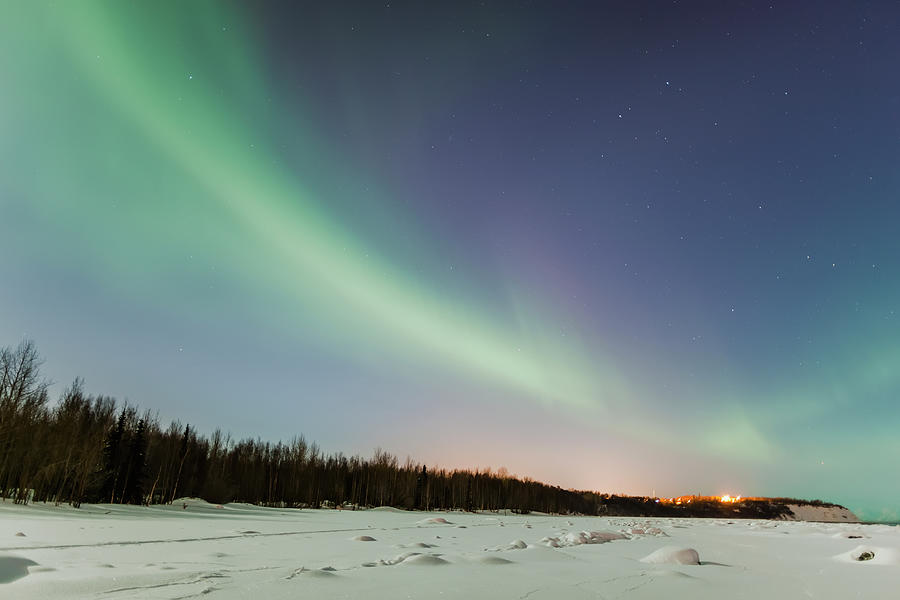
<point>184,128</point>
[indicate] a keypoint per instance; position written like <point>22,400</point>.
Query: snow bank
<point>822,514</point>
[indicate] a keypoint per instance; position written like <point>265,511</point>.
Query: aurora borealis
<point>629,247</point>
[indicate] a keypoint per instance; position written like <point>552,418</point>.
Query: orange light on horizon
<point>729,499</point>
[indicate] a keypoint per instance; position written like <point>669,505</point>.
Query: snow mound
<point>513,545</point>
<point>364,538</point>
<point>673,555</point>
<point>413,558</point>
<point>583,537</point>
<point>434,521</point>
<point>425,559</point>
<point>14,567</point>
<point>552,542</point>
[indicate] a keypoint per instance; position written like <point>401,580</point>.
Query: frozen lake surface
<point>242,551</point>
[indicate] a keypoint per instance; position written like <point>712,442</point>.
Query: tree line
<point>93,449</point>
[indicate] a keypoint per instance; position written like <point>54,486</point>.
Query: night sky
<point>636,247</point>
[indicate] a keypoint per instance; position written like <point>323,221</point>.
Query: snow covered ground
<point>241,551</point>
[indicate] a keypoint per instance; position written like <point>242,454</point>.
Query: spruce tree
<point>421,482</point>
<point>112,460</point>
<point>133,489</point>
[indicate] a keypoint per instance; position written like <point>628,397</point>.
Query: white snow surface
<point>242,551</point>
